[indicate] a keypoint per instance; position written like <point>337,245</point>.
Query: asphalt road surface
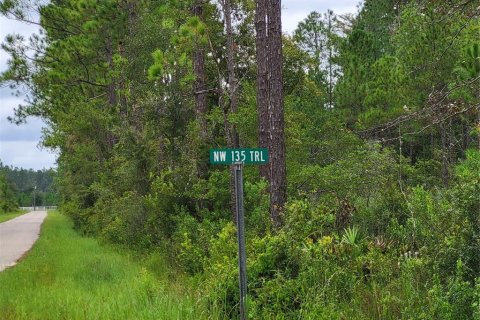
<point>18,235</point>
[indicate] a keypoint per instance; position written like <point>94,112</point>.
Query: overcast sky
<point>19,145</point>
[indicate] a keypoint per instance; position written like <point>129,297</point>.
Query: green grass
<point>67,276</point>
<point>10,215</point>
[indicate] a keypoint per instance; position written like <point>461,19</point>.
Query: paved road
<point>17,237</point>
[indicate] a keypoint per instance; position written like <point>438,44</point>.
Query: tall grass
<point>10,215</point>
<point>66,276</point>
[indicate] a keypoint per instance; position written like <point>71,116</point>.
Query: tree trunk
<point>330,58</point>
<point>232,78</point>
<point>200,92</point>
<point>200,83</point>
<point>268,26</point>
<point>233,97</point>
<point>478,122</point>
<point>111,88</point>
<point>262,79</point>
<point>278,192</point>
<point>444,136</point>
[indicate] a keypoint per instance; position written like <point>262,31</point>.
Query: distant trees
<point>319,35</point>
<point>26,184</point>
<point>7,195</point>
<point>403,80</point>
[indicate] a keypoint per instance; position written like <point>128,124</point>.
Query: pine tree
<point>270,102</point>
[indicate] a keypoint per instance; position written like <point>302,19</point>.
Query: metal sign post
<point>242,256</point>
<point>237,158</point>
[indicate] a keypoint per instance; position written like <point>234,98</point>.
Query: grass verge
<point>10,215</point>
<point>67,276</point>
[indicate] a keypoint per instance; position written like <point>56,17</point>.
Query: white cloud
<point>30,131</point>
<point>25,154</point>
<point>19,144</point>
<point>7,104</point>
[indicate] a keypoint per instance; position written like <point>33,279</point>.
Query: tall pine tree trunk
<point>200,91</point>
<point>445,138</point>
<point>232,78</point>
<point>330,63</point>
<point>478,121</point>
<point>268,26</point>
<point>278,192</point>
<point>232,95</point>
<point>200,82</point>
<point>262,79</point>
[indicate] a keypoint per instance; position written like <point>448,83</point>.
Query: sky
<point>20,145</point>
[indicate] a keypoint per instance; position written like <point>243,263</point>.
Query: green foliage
<point>128,222</point>
<point>470,67</point>
<point>7,196</point>
<point>350,236</point>
<point>27,184</point>
<point>379,109</point>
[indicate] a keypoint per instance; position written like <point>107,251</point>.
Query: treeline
<point>8,201</point>
<point>31,187</point>
<point>369,207</point>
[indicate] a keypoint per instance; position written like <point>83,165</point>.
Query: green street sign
<point>246,156</point>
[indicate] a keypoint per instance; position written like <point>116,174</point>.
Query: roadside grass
<point>10,215</point>
<point>67,276</point>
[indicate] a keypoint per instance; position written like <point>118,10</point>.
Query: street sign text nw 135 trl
<point>246,156</point>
